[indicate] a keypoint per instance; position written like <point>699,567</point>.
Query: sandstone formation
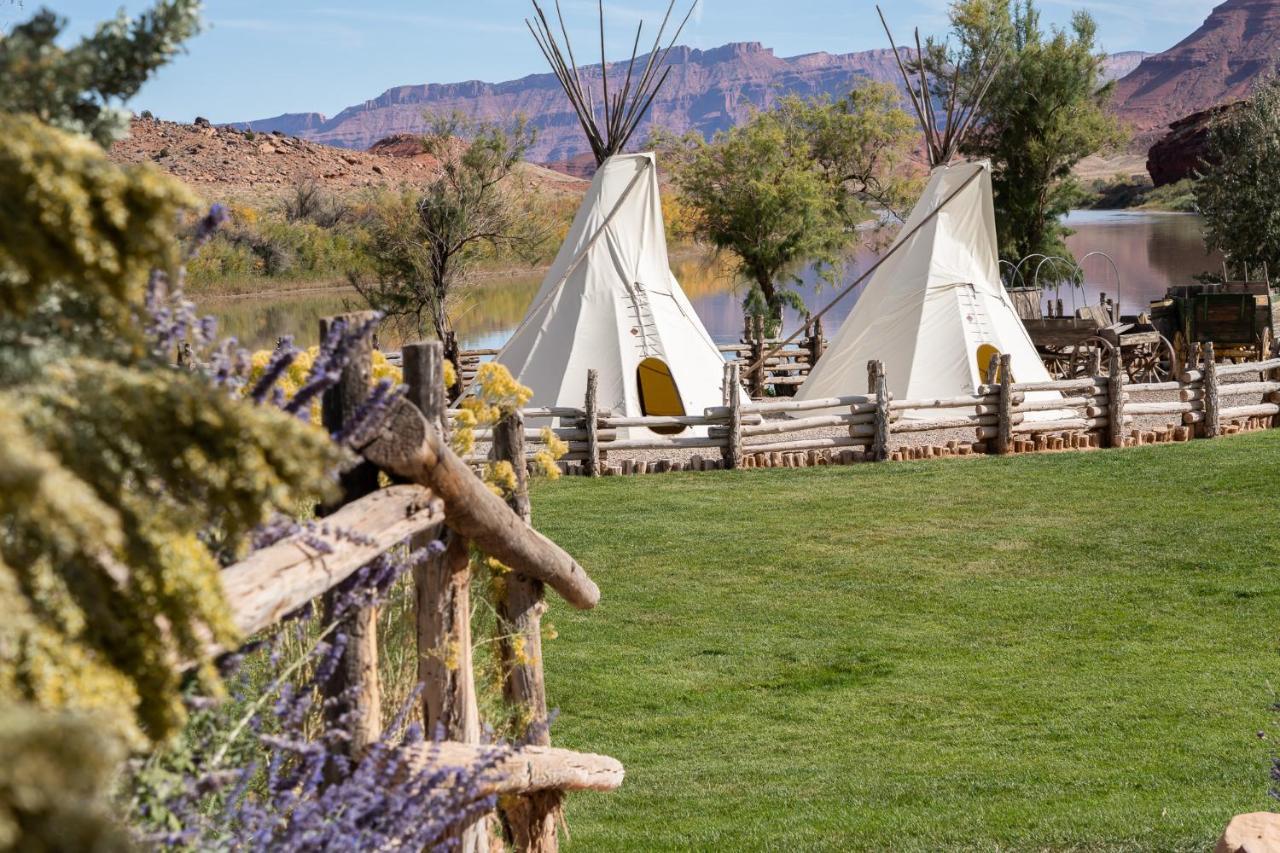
<point>1181,152</point>
<point>1237,47</point>
<point>708,90</point>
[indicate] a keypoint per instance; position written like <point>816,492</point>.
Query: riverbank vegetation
<point>1060,658</point>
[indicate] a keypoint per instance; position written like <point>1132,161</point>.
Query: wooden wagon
<point>1237,316</point>
<point>1080,344</point>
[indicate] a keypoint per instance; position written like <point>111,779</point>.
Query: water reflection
<point>1150,250</point>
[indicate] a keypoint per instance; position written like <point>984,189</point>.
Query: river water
<point>1151,251</point>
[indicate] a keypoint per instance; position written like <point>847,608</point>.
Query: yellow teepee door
<point>986,352</point>
<point>659,396</point>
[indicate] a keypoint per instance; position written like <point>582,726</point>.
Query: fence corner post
<point>1116,381</point>
<point>442,596</point>
<point>591,423</point>
<point>1212,409</point>
<point>1004,411</point>
<point>353,691</point>
<point>732,450</point>
<point>878,386</point>
<point>532,818</point>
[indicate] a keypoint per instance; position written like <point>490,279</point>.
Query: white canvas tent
<point>610,303</point>
<point>936,309</point>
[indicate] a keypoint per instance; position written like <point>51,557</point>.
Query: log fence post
<point>732,450</point>
<point>591,423</point>
<point>878,386</point>
<point>442,590</point>
<point>816,344</point>
<point>1004,411</point>
<point>758,349</point>
<point>353,693</point>
<point>531,818</point>
<point>1212,418</point>
<point>1116,381</point>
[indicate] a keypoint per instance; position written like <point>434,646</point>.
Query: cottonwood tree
<point>1239,193</point>
<point>789,186</point>
<point>425,247</point>
<point>1043,113</point>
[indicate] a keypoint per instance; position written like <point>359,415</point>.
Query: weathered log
<point>1139,409</point>
<point>878,385</point>
<point>353,692</point>
<point>773,407</point>
<point>1115,389</point>
<point>410,448</point>
<point>1054,405</point>
<point>948,423</point>
<point>1259,410</point>
<point>1248,367</point>
<point>591,425</point>
<point>802,424</point>
<point>809,444</point>
<point>275,581</point>
<point>965,402</point>
<point>732,452</point>
<point>524,771</point>
<point>1004,422</point>
<point>1212,421</point>
<point>532,818</point>
<point>657,442</point>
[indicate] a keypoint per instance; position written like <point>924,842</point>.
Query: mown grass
<point>1067,652</point>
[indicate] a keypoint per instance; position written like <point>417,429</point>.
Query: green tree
<point>1043,114</point>
<point>80,88</point>
<point>425,247</point>
<point>1239,190</point>
<point>790,186</point>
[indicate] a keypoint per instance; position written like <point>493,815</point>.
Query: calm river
<point>1150,251</point>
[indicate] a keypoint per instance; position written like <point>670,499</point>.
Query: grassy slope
<point>1056,652</point>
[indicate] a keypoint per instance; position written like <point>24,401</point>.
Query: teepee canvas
<point>935,311</point>
<point>610,302</point>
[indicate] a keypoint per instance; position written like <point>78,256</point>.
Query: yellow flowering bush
<point>294,378</point>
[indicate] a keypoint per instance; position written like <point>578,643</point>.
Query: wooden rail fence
<point>777,376</point>
<point>438,495</point>
<point>1005,416</point>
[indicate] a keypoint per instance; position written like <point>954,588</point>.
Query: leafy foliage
<point>1239,195</point>
<point>1043,113</point>
<point>54,771</point>
<point>75,88</point>
<point>425,248</point>
<point>789,186</point>
<point>124,479</point>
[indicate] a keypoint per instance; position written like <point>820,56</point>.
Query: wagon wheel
<point>1057,360</point>
<point>1149,362</point>
<point>1264,344</point>
<point>1091,357</point>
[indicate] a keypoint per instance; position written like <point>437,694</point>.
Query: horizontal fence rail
<point>1001,416</point>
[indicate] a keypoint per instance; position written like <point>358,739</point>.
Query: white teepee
<point>936,310</point>
<point>611,304</point>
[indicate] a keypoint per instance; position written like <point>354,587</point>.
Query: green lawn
<point>1062,652</point>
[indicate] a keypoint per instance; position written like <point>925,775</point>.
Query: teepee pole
<point>901,241</point>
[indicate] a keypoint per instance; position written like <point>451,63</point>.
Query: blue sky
<point>258,58</point>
